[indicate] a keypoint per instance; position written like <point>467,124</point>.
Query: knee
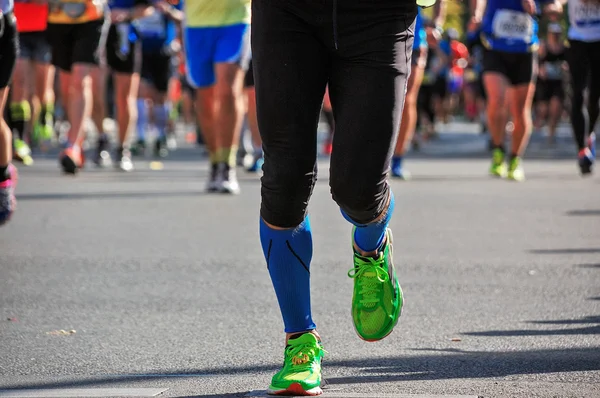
<point>225,95</point>
<point>286,188</point>
<point>361,200</point>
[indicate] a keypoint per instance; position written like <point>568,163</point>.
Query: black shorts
<point>440,87</point>
<point>75,43</point>
<point>35,47</point>
<point>249,78</point>
<point>157,70</point>
<point>128,63</point>
<point>9,49</point>
<point>518,68</point>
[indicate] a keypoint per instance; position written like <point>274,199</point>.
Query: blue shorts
<point>205,47</point>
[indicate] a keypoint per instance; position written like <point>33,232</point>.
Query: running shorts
<point>35,47</point>
<point>157,69</point>
<point>75,43</point>
<point>206,47</point>
<point>9,48</point>
<point>122,63</point>
<point>518,68</point>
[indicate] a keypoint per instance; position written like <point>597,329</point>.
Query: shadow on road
<point>595,212</point>
<point>597,265</point>
<point>593,329</point>
<point>434,365</point>
<point>567,250</point>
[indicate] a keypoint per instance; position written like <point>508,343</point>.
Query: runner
<point>34,61</point>
<point>258,160</point>
<point>123,56</point>
<point>362,50</point>
<point>216,38</point>
<point>159,46</point>
<point>552,68</point>
<point>410,115</point>
<point>9,45</point>
<point>509,33</point>
<point>74,32</point>
<point>584,65</point>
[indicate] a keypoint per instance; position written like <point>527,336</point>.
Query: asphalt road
<point>165,286</point>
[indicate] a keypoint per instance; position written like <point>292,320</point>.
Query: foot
<point>377,300</point>
<point>256,165</point>
<point>101,153</point>
<point>228,182</point>
<point>585,161</point>
<point>8,202</point>
<point>22,152</point>
<point>213,183</point>
<point>139,148</point>
<point>71,159</point>
<point>160,148</point>
<point>301,372</point>
<point>592,144</point>
<point>498,167</point>
<point>123,160</point>
<point>515,170</point>
<point>398,170</point>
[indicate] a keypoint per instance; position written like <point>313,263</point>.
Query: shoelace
<point>302,355</point>
<point>370,275</point>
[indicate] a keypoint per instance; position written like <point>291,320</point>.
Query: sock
<point>369,237</point>
<point>227,155</point>
<point>212,156</point>
<point>501,147</point>
<point>47,114</point>
<point>20,114</point>
<point>142,120</point>
<point>4,173</point>
<point>397,162</point>
<point>288,254</point>
<point>161,117</point>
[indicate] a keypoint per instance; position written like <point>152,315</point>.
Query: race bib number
<point>515,25</point>
<point>151,26</point>
<point>586,14</point>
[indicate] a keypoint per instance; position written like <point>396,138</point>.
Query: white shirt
<point>584,20</point>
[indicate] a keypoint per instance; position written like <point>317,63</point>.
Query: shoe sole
<point>68,165</point>
<point>295,389</point>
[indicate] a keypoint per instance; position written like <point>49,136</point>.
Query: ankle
<point>292,336</point>
<point>373,253</point>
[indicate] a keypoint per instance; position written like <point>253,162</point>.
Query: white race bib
<point>515,25</point>
<point>151,26</point>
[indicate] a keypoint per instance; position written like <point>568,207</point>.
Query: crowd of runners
<point>375,71</point>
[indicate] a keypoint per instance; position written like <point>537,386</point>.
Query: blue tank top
<point>156,31</point>
<point>420,33</point>
<point>507,27</point>
<point>6,5</point>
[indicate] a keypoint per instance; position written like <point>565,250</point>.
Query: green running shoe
<point>301,372</point>
<point>515,170</point>
<point>22,152</point>
<point>377,300</point>
<point>498,167</point>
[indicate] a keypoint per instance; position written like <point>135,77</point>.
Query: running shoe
<point>586,161</point>
<point>301,372</point>
<point>160,148</point>
<point>71,159</point>
<point>515,170</point>
<point>228,182</point>
<point>256,165</point>
<point>498,167</point>
<point>139,148</point>
<point>123,159</point>
<point>22,152</point>
<point>398,170</point>
<point>377,300</point>
<point>213,183</point>
<point>101,153</point>
<point>8,202</point>
<point>592,144</point>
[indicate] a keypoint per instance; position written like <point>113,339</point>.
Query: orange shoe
<point>71,159</point>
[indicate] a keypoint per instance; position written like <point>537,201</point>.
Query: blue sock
<point>142,120</point>
<point>397,163</point>
<point>369,237</point>
<point>288,253</point>
<point>161,117</point>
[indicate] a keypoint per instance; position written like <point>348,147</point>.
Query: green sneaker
<point>301,372</point>
<point>498,167</point>
<point>515,170</point>
<point>377,300</point>
<point>22,152</point>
